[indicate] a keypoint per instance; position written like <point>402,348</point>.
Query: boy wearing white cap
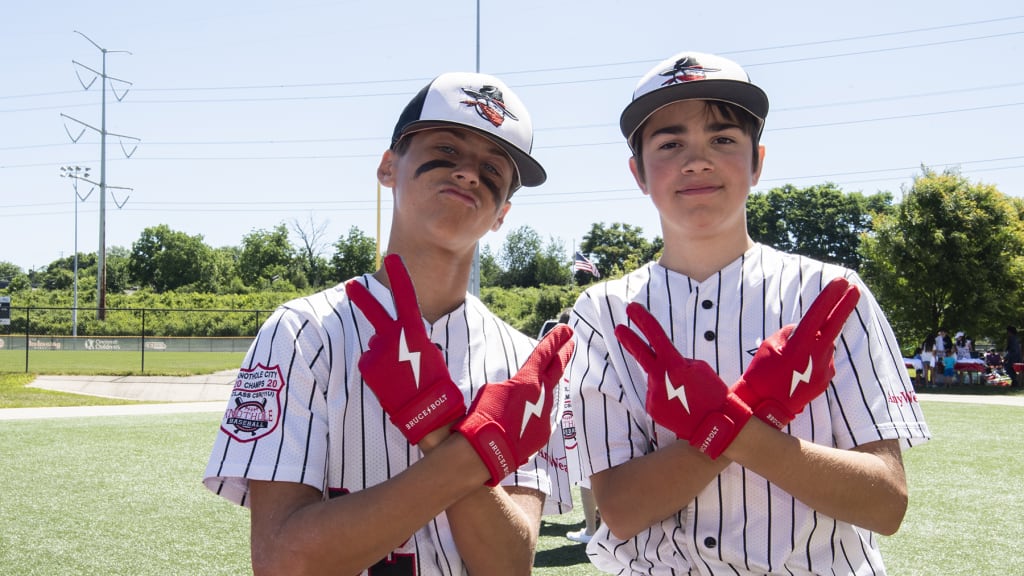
<point>347,433</point>
<point>739,410</point>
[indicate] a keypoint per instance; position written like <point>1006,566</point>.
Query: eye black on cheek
<point>495,190</point>
<point>431,165</point>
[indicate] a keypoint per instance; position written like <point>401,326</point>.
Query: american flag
<point>580,262</point>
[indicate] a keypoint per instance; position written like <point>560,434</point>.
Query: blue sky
<point>251,114</point>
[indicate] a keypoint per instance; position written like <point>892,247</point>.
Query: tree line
<point>949,253</point>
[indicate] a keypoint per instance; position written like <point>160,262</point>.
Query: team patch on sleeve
<point>254,408</point>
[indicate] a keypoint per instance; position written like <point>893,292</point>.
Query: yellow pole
<point>378,225</point>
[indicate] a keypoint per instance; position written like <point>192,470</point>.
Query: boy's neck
<point>440,279</point>
<point>699,258</point>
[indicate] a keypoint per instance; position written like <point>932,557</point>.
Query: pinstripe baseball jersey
<point>300,412</point>
<point>740,523</point>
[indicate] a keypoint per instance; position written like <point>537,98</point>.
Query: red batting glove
<point>794,365</point>
<point>686,396</point>
<point>510,421</point>
<point>401,365</point>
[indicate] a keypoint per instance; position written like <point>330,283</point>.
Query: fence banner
<point>127,343</point>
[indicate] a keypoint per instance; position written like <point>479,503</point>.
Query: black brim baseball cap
<point>692,76</point>
<point>483,104</point>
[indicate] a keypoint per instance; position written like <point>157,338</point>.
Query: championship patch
<point>254,408</point>
<point>568,424</point>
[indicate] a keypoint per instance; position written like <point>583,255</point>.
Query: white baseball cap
<point>481,103</point>
<point>692,76</point>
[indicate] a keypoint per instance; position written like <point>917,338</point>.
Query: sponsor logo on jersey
<point>904,397</point>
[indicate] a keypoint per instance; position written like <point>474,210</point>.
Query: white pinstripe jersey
<point>740,523</point>
<point>323,427</point>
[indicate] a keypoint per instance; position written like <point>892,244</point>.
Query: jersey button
<point>710,542</point>
<point>709,335</point>
<point>707,304</point>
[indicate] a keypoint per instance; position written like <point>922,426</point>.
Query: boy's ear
<point>386,170</point>
<point>760,166</point>
<point>501,216</point>
<point>637,176</point>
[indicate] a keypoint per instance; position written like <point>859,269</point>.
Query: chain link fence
<point>44,339</point>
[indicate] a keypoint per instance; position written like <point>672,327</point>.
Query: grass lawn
<point>87,362</point>
<point>122,495</point>
<point>966,497</point>
<point>14,393</point>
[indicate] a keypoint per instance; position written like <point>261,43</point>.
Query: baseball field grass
<point>119,363</point>
<point>122,496</point>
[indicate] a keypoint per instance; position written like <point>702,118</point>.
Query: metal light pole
<point>474,270</point>
<point>76,173</point>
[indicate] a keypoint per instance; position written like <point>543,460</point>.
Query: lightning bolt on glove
<point>794,365</point>
<point>510,421</point>
<point>686,396</point>
<point>401,365</point>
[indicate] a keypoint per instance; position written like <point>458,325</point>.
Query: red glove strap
<point>718,429</point>
<point>429,410</point>
<point>488,439</point>
<point>774,413</point>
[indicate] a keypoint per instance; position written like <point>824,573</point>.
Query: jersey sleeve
<point>275,425</point>
<point>611,426</point>
<point>547,471</point>
<point>873,397</point>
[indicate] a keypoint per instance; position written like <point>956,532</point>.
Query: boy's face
<point>698,170</point>
<point>448,182</point>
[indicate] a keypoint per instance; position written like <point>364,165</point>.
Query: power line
<point>538,84</point>
<point>539,147</point>
<point>524,197</point>
<point>539,70</point>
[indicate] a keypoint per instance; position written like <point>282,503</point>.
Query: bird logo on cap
<point>686,69</point>
<point>489,104</point>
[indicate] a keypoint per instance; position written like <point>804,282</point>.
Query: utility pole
<point>101,271</point>
<point>474,270</point>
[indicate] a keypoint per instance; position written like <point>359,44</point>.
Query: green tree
<point>490,270</point>
<point>225,264</point>
<point>354,254</point>
<point>59,274</point>
<point>313,264</point>
<point>820,221</point>
<point>519,257</point>
<point>552,265</point>
<point>8,271</point>
<point>951,255</point>
<point>166,259</point>
<point>616,249</point>
<point>119,269</point>
<point>266,258</point>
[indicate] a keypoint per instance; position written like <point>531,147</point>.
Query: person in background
<point>1012,355</point>
<point>928,359</point>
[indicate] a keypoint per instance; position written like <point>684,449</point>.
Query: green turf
<point>14,393</point>
<point>85,362</point>
<point>122,495</point>
<point>966,498</point>
<point>118,495</point>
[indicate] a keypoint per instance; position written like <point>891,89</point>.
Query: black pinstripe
<point>757,528</point>
<point>332,433</point>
